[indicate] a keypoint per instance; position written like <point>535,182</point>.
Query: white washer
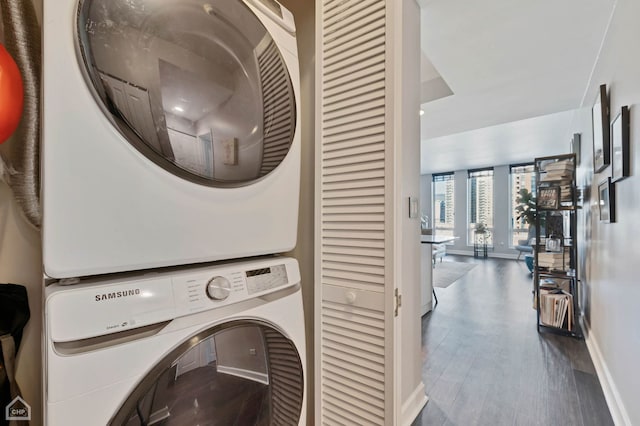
<point>212,345</point>
<point>170,133</point>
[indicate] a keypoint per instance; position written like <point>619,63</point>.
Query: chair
<point>524,246</point>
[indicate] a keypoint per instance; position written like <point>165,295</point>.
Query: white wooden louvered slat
<point>367,83</point>
<point>352,201</point>
<point>354,125</point>
<point>355,260</point>
<point>351,284</point>
<point>336,7</point>
<point>342,314</point>
<point>363,158</point>
<point>364,226</point>
<point>356,112</point>
<point>375,282</point>
<point>352,168</point>
<point>332,187</point>
<point>353,136</point>
<point>367,412</point>
<point>356,78</point>
<point>360,362</point>
<point>351,17</point>
<point>364,101</point>
<point>339,12</point>
<point>350,193</point>
<point>361,383</point>
<point>374,253</point>
<point>355,340</point>
<point>352,93</point>
<point>355,267</point>
<point>355,234</point>
<point>351,176</point>
<point>367,50</point>
<point>366,58</point>
<point>335,417</point>
<point>353,242</point>
<point>357,332</point>
<point>353,218</point>
<point>366,25</point>
<point>363,368</point>
<point>364,274</point>
<point>362,393</point>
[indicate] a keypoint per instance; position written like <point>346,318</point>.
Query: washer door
<point>240,373</point>
<point>200,88</point>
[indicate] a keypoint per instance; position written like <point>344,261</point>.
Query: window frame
<point>476,173</point>
<point>512,201</point>
<point>435,178</point>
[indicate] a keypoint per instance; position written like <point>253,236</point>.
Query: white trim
<point>412,407</point>
<point>611,393</point>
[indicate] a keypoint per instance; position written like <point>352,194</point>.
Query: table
<point>427,242</point>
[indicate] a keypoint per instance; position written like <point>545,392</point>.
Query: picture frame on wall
<point>607,201</point>
<point>620,145</point>
<point>600,121</point>
<point>549,197</point>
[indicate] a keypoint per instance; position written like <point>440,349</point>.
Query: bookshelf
<point>555,251</point>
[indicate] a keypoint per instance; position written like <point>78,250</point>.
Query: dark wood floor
<point>484,362</point>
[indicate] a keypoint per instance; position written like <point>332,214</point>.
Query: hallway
<point>485,364</point>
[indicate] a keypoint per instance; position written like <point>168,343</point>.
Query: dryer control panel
<point>116,305</point>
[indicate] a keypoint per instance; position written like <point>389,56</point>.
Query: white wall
<point>609,252</point>
<point>501,211</point>
<point>409,329</point>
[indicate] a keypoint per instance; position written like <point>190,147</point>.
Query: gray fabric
<point>447,273</point>
<point>21,154</point>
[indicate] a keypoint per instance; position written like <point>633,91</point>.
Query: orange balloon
<point>11,95</point>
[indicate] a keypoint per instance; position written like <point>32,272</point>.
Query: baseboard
<point>412,407</point>
<point>611,394</point>
<point>496,255</point>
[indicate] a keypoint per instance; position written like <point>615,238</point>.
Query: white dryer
<point>220,345</point>
<point>170,133</point>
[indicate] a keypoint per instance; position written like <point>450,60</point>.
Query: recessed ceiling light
<point>421,112</point>
<point>178,108</point>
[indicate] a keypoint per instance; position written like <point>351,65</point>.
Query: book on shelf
<point>556,308</point>
<point>557,170</point>
<point>553,260</point>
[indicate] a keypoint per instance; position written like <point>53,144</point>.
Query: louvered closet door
<point>355,318</point>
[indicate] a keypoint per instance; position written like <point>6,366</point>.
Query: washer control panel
<point>119,304</point>
<point>207,289</point>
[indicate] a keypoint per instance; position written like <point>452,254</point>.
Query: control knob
<point>218,288</point>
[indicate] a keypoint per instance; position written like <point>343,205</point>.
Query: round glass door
<point>243,373</point>
<point>200,88</point>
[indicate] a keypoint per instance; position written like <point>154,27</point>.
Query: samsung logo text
<point>117,294</point>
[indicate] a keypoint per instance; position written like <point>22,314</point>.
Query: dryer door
<point>240,373</point>
<point>200,88</point>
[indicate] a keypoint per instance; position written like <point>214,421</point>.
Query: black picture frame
<point>600,121</point>
<point>548,197</point>
<point>620,145</point>
<point>607,201</point>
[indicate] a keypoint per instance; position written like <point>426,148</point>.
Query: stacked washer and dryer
<point>170,180</point>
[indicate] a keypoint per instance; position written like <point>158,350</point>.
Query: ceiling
<point>494,62</point>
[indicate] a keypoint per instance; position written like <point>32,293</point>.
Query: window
<point>523,177</point>
<point>443,204</point>
<point>480,201</point>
